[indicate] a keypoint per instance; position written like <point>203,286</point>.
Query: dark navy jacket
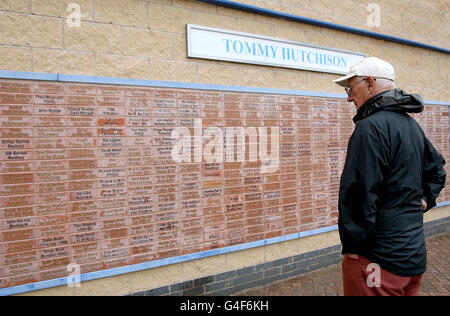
<point>390,167</point>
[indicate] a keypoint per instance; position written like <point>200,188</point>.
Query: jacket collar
<point>395,100</point>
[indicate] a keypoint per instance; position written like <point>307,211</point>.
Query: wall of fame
<point>108,175</point>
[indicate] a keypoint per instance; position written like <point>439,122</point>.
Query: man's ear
<point>371,84</point>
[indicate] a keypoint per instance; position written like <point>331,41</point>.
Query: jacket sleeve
<point>361,182</point>
<point>433,174</point>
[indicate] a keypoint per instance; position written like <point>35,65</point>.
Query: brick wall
<point>87,174</point>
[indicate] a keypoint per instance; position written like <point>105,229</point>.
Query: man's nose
<point>349,98</point>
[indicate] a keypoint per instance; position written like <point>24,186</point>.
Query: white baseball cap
<point>371,66</point>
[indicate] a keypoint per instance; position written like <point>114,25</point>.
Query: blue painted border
<point>333,26</point>
<point>167,84</point>
<point>21,75</point>
<point>5,74</point>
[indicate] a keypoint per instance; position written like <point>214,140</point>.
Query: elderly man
<point>392,175</point>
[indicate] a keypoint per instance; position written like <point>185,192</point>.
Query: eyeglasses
<point>349,89</point>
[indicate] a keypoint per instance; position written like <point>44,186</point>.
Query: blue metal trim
<point>296,18</point>
<point>442,204</point>
<point>5,74</point>
<point>431,102</point>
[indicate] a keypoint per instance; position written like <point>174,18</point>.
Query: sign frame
<point>197,48</point>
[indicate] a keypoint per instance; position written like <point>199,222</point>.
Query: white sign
<point>217,44</point>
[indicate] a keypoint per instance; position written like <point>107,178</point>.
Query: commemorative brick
<point>111,131</point>
<point>85,227</point>
<point>91,266</point>
<point>85,237</point>
<point>13,86</point>
<point>49,100</point>
<point>22,189</point>
<point>48,87</point>
<point>18,223</point>
<point>19,234</point>
<point>145,251</point>
<point>80,121</point>
<point>48,209</point>
<point>139,161</point>
<point>50,112</point>
<point>114,192</point>
<point>141,209</point>
<point>16,178</point>
<point>14,98</point>
<point>115,233</point>
<point>114,263</point>
<point>16,132</point>
<point>163,141</point>
<point>52,263</point>
<point>112,172</point>
<point>115,202</point>
<point>18,110</point>
<point>49,121</point>
<point>20,279</point>
<point>51,176</point>
<point>49,143</point>
<point>115,253</point>
<point>82,174</point>
<point>54,241</point>
<point>137,200</point>
<point>50,154</point>
<point>140,190</point>
<point>143,239</point>
<point>49,132</point>
<point>84,216</point>
<point>13,201</point>
<point>84,100</point>
<point>85,248</point>
<point>144,229</point>
<point>15,121</point>
<point>16,154</point>
<point>53,219</point>
<point>84,195</point>
<point>139,112</point>
<point>20,257</point>
<point>112,101</point>
<point>139,102</point>
<point>143,151</point>
<point>83,206</point>
<point>53,273</point>
<point>20,246</point>
<point>80,132</point>
<point>111,112</point>
<point>56,197</point>
<point>111,162</point>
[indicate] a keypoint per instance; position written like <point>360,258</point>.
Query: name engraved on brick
<point>16,132</point>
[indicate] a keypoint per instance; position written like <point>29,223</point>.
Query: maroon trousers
<point>365,278</point>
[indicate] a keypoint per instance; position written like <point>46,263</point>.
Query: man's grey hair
<point>385,83</point>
